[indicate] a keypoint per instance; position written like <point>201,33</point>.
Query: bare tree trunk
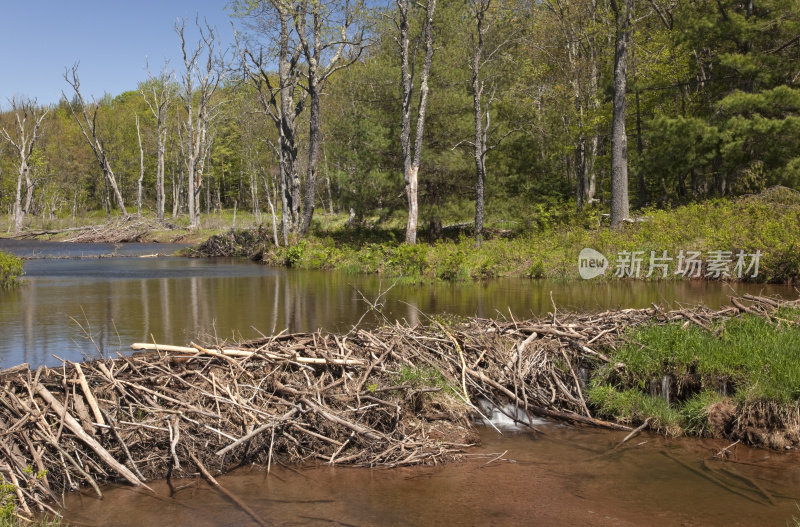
<point>272,210</point>
<point>28,191</point>
<point>315,44</point>
<point>88,126</point>
<point>313,149</point>
<point>620,206</point>
<point>28,120</point>
<point>197,103</point>
<point>411,160</point>
<point>141,170</point>
<point>19,212</point>
<point>279,104</point>
<point>158,100</point>
<point>479,150</point>
<point>407,82</point>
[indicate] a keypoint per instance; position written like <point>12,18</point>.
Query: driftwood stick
<point>710,478</point>
<point>260,429</point>
<point>234,352</point>
<point>124,446</point>
<point>635,432</point>
<point>233,497</point>
<point>76,429</point>
<point>366,432</point>
<point>22,501</point>
<point>87,392</point>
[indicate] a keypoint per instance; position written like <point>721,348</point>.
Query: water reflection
<point>77,308</point>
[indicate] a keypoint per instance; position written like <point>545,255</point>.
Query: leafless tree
<point>486,47</point>
<point>412,155</point>
<point>278,97</point>
<point>141,170</point>
<point>204,72</point>
<point>311,41</point>
<point>89,128</point>
<point>158,93</point>
<point>28,120</point>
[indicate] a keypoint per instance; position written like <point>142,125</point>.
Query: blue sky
<point>111,39</point>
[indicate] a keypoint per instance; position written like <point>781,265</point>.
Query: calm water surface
<point>73,308</point>
<point>567,476</point>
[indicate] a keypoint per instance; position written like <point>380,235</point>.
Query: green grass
<point>550,248</point>
<point>755,358</point>
<point>747,358</point>
<point>424,377</point>
<point>10,270</point>
<point>633,407</point>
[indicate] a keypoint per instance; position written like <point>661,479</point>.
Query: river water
<point>77,305</point>
<point>565,476</point>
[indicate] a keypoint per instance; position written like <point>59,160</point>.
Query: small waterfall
<point>583,377</point>
<point>666,381</point>
<point>507,417</point>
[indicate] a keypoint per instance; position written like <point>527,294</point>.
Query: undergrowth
<point>10,270</point>
<point>550,248</point>
<point>748,359</point>
<point>8,510</point>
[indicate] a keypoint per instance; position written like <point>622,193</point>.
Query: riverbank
<point>98,228</point>
<point>394,396</point>
<point>755,238</point>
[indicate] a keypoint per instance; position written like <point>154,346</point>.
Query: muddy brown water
<point>565,476</point>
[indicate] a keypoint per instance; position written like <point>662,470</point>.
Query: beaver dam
<point>398,395</point>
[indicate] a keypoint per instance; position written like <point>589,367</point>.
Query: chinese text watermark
<point>688,264</point>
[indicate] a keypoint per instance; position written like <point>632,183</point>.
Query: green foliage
<point>294,254</point>
<point>753,357</point>
<point>8,499</point>
<point>632,406</point>
<point>407,260</point>
<point>769,222</point>
<point>10,270</point>
<point>695,412</point>
<point>423,377</point>
<point>748,358</point>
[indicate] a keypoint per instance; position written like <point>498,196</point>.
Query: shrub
<point>10,270</point>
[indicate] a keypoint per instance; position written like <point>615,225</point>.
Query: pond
<point>76,305</point>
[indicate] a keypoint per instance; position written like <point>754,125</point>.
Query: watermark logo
<point>591,263</point>
<point>688,264</point>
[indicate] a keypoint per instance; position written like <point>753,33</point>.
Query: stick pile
<point>130,228</point>
<point>365,398</point>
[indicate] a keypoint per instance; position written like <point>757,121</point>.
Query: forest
<point>478,112</point>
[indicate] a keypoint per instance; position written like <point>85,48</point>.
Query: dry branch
<point>301,397</point>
